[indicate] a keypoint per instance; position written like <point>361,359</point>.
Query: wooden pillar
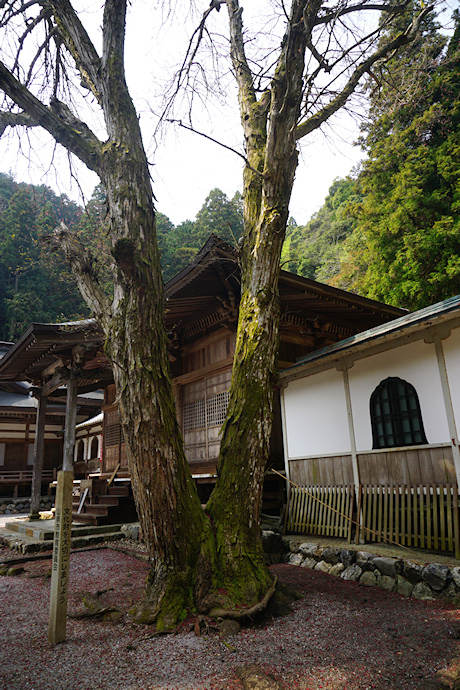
<point>351,426</point>
<point>448,405</point>
<point>38,458</point>
<point>63,523</point>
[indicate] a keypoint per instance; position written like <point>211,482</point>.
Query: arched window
<point>395,415</point>
<point>80,450</point>
<point>94,448</point>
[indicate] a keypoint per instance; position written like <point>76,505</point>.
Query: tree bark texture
<point>174,525</point>
<point>269,128</point>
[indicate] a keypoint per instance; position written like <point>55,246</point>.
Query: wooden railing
<point>420,516</point>
<point>24,476</point>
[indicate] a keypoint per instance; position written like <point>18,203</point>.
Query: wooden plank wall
<point>410,467</point>
<point>416,466</point>
<point>331,471</point>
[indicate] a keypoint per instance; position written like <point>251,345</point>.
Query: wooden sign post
<point>61,554</point>
<point>63,524</point>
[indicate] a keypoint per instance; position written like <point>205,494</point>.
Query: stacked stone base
<point>16,506</point>
<point>429,582</point>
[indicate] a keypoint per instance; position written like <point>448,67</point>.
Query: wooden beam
<point>60,378</point>
<point>60,363</point>
<point>63,522</point>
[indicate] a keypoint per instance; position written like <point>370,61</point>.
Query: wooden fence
<point>323,510</point>
<point>424,516</point>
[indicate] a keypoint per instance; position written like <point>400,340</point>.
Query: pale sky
<point>186,166</point>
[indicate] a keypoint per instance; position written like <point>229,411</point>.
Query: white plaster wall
<point>316,416</point>
<point>451,348</point>
<point>415,363</point>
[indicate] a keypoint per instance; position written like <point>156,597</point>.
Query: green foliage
<point>313,250</point>
<point>405,248</point>
<point>34,284</point>
<point>219,215</point>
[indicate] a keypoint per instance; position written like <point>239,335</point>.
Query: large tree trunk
<point>173,523</point>
<point>269,126</point>
<point>174,526</point>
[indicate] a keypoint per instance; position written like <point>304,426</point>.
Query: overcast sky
<point>185,166</point>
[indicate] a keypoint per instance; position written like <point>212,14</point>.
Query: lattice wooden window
<point>195,415</point>
<point>395,415</point>
<point>205,413</point>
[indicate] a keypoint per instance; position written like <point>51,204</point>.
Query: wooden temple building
<point>201,305</point>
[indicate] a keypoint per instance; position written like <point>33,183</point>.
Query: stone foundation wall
<point>432,581</point>
<point>15,506</point>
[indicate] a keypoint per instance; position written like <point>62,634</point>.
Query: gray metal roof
<point>423,317</point>
<point>17,400</point>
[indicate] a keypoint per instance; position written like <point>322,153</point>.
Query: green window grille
<point>395,415</point>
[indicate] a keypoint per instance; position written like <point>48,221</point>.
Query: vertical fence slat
<point>351,503</point>
<point>422,517</point>
<point>456,524</point>
<point>442,517</point>
<point>435,516</point>
<point>409,515</point>
<point>450,531</point>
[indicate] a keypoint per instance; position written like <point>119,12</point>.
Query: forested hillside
<point>392,232</point>
<point>35,283</point>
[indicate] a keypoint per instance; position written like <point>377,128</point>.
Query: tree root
<point>238,614</point>
<point>94,607</point>
<point>254,678</point>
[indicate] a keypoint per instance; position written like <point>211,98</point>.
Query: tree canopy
<point>405,247</point>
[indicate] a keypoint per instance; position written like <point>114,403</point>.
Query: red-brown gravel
<point>342,636</point>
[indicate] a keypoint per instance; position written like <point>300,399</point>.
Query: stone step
<point>43,530</point>
<point>81,537</point>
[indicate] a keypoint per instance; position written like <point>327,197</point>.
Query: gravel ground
<point>341,636</point>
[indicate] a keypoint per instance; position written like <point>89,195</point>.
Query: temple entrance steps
<point>97,502</point>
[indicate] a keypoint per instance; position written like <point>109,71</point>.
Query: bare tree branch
<point>342,11</point>
<point>8,119</point>
<point>78,44</point>
<point>82,265</point>
<point>215,141</point>
<point>57,120</point>
<point>325,113</point>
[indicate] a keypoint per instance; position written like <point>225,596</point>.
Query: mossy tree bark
<point>173,523</point>
<point>272,124</point>
<point>269,130</point>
